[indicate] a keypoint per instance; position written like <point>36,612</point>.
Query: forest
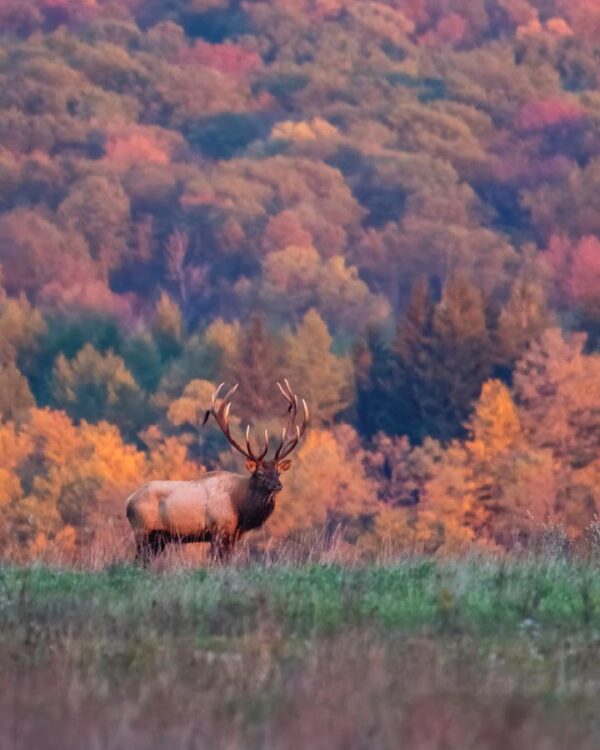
<point>393,204</point>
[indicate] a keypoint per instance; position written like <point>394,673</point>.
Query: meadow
<point>417,653</point>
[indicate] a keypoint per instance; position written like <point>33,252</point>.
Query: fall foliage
<point>393,204</point>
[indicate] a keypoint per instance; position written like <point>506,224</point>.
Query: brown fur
<point>218,508</point>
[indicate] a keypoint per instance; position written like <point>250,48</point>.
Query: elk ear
<point>284,465</point>
<point>251,465</point>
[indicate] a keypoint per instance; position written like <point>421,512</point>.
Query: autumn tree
<point>99,210</point>
<point>557,388</point>
<point>323,378</point>
<point>326,487</point>
<point>15,395</point>
<point>34,252</point>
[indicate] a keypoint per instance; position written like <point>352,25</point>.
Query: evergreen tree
<point>376,380</point>
<point>457,360</point>
<point>522,320</point>
<point>257,368</point>
<point>411,347</point>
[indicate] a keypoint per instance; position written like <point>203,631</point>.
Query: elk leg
<point>158,542</point>
<point>143,551</point>
<point>149,546</point>
<point>221,547</point>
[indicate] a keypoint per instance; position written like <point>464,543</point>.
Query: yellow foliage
<point>304,131</point>
<point>15,447</point>
<point>70,469</point>
<point>494,427</point>
<point>188,409</point>
<point>168,460</point>
<point>168,323</point>
<point>324,483</point>
<point>138,144</point>
<point>393,529</point>
<point>448,513</point>
<point>559,27</point>
<point>226,338</point>
<point>110,460</point>
<point>20,328</point>
<point>325,378</point>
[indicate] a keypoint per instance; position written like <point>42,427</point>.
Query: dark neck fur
<point>257,507</point>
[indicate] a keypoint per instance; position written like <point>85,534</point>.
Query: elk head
<point>265,472</point>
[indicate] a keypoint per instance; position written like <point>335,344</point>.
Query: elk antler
<point>221,415</point>
<point>292,432</point>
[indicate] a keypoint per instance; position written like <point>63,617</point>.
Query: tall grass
<point>423,654</point>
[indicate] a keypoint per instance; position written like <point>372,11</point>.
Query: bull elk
<point>220,506</point>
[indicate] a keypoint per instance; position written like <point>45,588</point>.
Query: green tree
<point>95,386</point>
<point>414,336</point>
<point>321,377</point>
<point>15,395</point>
<point>167,327</point>
<point>376,370</point>
<point>142,357</point>
<point>457,360</point>
<point>21,330</point>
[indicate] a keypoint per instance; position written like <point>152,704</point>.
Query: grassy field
<point>421,654</point>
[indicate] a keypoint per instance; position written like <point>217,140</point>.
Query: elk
<point>220,506</point>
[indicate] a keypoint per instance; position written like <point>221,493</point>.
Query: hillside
<point>393,204</point>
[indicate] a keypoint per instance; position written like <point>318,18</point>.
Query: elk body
<point>220,506</point>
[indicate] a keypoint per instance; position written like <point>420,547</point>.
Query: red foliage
<point>576,269</point>
<point>80,288</point>
<point>136,147</point>
<point>416,10</point>
<point>540,114</point>
<point>283,230</point>
<point>583,17</point>
<point>227,58</point>
<point>450,29</point>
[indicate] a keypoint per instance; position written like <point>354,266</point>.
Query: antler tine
<point>284,393</point>
<point>221,415</point>
<point>213,401</point>
<point>306,414</point>
<point>248,446</point>
<point>215,395</point>
<point>229,395</point>
<point>291,432</point>
<point>266,448</point>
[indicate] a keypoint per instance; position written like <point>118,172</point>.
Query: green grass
<point>310,656</point>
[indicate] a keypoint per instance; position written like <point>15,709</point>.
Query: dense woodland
<point>394,204</point>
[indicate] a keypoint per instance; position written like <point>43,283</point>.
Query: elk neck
<point>256,507</point>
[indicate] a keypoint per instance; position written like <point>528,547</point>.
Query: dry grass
<point>419,654</point>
